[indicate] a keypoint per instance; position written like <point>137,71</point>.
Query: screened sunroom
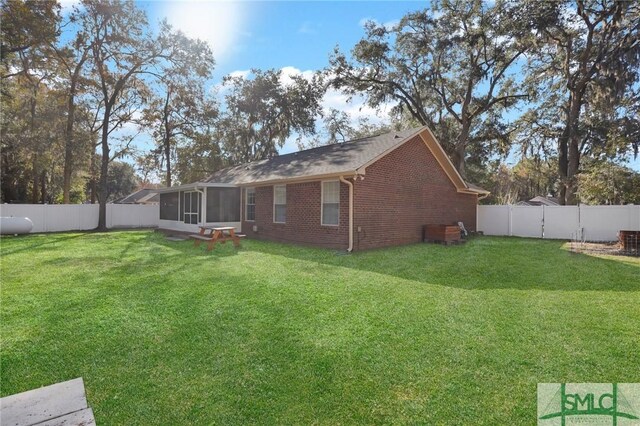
<point>185,208</point>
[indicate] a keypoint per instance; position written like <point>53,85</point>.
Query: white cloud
<point>67,5</point>
<point>240,73</point>
<point>389,25</point>
<point>308,27</point>
<point>218,23</point>
<point>288,72</point>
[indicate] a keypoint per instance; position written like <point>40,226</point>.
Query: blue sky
<point>295,36</point>
<point>275,34</point>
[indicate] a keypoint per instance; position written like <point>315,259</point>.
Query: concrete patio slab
<point>60,404</point>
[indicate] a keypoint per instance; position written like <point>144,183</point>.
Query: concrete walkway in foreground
<point>62,404</point>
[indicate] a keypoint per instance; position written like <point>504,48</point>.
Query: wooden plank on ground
<point>43,404</point>
<point>79,418</point>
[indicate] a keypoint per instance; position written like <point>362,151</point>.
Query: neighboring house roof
<point>347,158</point>
<point>540,201</point>
<point>142,196</point>
<point>547,201</point>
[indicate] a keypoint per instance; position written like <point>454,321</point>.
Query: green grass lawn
<point>164,333</point>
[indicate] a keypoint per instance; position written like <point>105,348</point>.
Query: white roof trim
<point>192,186</point>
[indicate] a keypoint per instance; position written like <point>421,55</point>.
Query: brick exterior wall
<point>303,217</point>
<point>403,191</point>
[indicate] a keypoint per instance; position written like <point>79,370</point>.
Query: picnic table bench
<point>212,235</point>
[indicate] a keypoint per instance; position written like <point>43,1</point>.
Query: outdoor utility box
<point>630,241</point>
<point>441,233</point>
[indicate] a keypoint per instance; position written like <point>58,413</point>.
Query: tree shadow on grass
<point>482,263</point>
<point>32,242</point>
<point>188,248</point>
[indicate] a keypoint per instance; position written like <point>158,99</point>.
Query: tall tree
<point>339,126</point>
<point>179,109</point>
<point>583,68</point>
<point>199,157</point>
<point>72,59</point>
<point>122,180</point>
<point>606,182</point>
<point>450,67</point>
<point>263,111</point>
<point>123,54</point>
<point>30,138</point>
<point>27,25</point>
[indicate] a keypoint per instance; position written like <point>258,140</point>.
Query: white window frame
<point>322,203</point>
<point>192,213</point>
<point>274,201</point>
<point>246,204</point>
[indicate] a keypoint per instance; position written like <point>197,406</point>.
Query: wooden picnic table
<point>213,234</point>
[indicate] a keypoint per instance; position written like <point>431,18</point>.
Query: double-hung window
<point>330,214</point>
<point>280,203</point>
<point>250,204</point>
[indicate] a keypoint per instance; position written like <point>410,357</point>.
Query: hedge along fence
<point>82,217</point>
<point>590,223</point>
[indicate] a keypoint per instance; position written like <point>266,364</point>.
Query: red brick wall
<point>303,217</point>
<point>403,191</point>
<point>400,193</point>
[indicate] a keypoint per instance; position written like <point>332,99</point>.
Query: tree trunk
<point>92,181</point>
<point>569,152</point>
<point>563,163</point>
<point>167,137</point>
<point>460,162</point>
<point>34,159</point>
<point>103,191</point>
<point>167,153</point>
<point>68,147</point>
<point>43,187</point>
<point>461,149</point>
<point>35,184</point>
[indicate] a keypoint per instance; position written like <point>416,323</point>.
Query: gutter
<point>350,184</point>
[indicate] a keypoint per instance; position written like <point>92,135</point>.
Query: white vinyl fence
<point>589,223</point>
<point>82,217</point>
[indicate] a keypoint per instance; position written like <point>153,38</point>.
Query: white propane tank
<point>15,225</point>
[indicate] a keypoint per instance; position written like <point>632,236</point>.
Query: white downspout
<point>342,179</point>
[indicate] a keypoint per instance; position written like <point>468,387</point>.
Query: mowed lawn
<point>164,333</point>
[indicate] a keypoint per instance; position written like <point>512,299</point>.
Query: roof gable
<point>340,158</point>
<point>348,158</point>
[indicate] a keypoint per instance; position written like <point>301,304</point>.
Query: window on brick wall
<point>250,204</point>
<point>280,203</point>
<point>330,203</point>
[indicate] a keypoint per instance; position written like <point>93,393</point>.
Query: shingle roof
<point>325,160</point>
<point>142,195</point>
